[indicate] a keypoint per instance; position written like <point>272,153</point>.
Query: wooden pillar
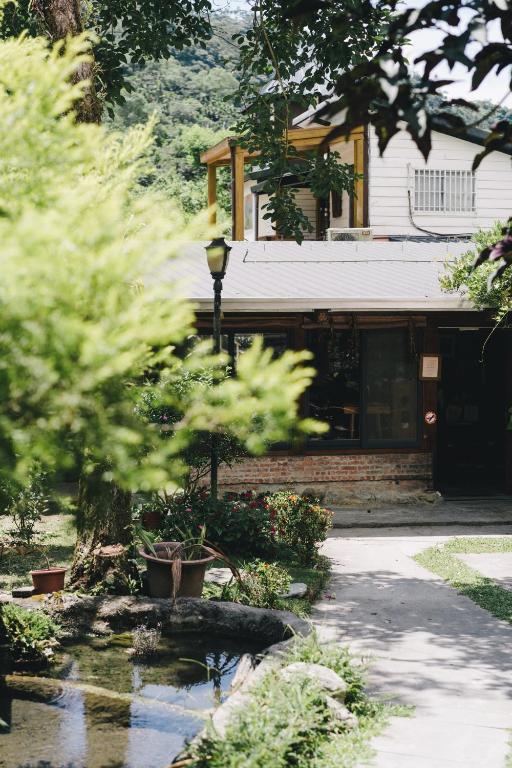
<point>359,167</point>
<point>430,397</point>
<point>237,192</point>
<point>212,194</point>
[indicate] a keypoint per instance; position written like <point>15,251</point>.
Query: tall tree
<point>85,329</point>
<point>126,31</point>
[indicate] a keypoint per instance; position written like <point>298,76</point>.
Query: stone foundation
<point>336,478</point>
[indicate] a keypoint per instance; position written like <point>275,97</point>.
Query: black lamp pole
<point>218,255</point>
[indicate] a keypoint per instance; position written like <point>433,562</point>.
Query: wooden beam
<point>301,138</point>
<point>359,185</point>
<point>218,152</point>
<point>237,192</point>
<point>212,194</point>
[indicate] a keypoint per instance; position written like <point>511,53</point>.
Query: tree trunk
<point>103,548</point>
<point>62,19</point>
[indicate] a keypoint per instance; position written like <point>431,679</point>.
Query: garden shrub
<point>237,524</point>
<point>300,522</point>
<point>262,585</point>
<point>31,636</point>
<point>26,504</point>
<point>279,524</point>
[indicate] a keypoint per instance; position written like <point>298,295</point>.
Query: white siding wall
<point>390,179</point>
<point>304,199</point>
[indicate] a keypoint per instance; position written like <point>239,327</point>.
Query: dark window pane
<point>335,394</point>
<point>276,341</point>
<point>392,389</point>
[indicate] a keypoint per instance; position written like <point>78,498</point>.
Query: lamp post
<point>217,254</point>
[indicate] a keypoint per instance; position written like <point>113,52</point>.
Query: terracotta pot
<point>160,573</point>
<point>48,580</point>
<point>152,519</point>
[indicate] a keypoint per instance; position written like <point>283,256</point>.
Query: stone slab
<point>218,576</point>
<point>484,512</point>
<point>495,565</point>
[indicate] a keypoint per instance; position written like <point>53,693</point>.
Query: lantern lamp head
<point>217,254</point>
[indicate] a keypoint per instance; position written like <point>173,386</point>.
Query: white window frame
<point>443,191</point>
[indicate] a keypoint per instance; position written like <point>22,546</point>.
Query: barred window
<point>444,191</point>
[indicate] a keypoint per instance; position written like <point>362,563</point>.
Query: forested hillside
<point>187,93</point>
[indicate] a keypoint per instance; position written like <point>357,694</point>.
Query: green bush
<point>31,636</point>
<point>262,585</point>
<point>238,525</point>
<point>264,525</point>
<point>300,522</point>
<point>26,504</point>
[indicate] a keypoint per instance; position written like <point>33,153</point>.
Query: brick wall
<point>344,478</point>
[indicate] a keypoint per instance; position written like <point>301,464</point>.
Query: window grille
<point>443,191</point>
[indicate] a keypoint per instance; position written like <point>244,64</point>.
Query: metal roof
<point>282,276</point>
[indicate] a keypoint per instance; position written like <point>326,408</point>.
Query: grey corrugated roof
<point>285,276</point>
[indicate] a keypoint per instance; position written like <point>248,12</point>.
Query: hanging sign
<point>430,367</point>
<point>430,418</point>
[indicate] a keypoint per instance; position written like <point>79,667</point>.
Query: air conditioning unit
<point>349,233</point>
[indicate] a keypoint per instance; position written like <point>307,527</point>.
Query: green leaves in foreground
<point>85,323</point>
<point>485,592</point>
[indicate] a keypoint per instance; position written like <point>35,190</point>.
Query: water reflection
<point>127,715</point>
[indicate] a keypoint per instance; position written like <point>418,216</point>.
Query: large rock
<point>340,713</point>
<point>297,589</point>
<point>81,615</point>
<point>324,677</point>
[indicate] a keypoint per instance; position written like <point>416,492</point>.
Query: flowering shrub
<point>300,522</point>
<point>237,524</point>
<point>265,525</point>
<point>262,585</point>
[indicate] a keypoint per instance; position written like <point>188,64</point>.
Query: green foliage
<point>287,724</point>
<point>197,456</point>
<point>126,30</point>
<point>236,524</point>
<point>26,505</point>
<point>262,584</point>
<point>190,96</point>
<point>301,523</point>
<point>83,320</point>
<point>31,636</point>
<point>476,284</point>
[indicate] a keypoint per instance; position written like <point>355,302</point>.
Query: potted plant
<point>46,580</point>
<point>177,568</point>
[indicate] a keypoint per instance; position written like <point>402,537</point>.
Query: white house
<point>401,194</point>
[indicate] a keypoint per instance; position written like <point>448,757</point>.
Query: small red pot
<point>48,580</point>
<point>152,519</point>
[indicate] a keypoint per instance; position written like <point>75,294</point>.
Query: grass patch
<point>58,542</point>
<point>485,592</point>
<point>288,723</point>
<point>315,576</point>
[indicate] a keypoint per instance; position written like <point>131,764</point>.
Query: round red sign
<point>430,417</point>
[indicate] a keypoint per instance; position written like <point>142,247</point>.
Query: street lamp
<point>217,254</point>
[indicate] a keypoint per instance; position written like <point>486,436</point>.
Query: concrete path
<point>488,511</point>
<point>431,648</point>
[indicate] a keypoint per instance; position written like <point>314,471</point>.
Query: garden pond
<point>96,707</point>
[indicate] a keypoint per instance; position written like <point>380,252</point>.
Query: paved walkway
<point>484,512</point>
<point>431,648</point>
